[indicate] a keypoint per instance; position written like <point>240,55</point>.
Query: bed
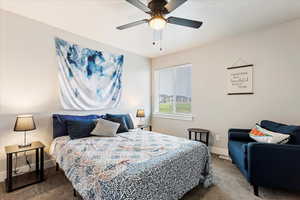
<point>134,165</point>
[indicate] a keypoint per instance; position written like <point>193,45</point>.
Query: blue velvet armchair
<point>267,165</point>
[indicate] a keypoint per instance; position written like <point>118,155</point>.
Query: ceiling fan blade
<point>173,4</point>
<point>139,5</point>
<point>184,22</point>
<point>133,24</point>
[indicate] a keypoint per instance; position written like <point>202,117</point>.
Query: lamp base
<point>24,145</point>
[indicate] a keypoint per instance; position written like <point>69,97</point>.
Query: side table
<point>201,132</point>
<point>16,182</point>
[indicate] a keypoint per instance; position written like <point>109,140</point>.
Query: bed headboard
<point>59,122</point>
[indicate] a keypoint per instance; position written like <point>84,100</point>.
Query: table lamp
<point>24,123</point>
<point>140,113</point>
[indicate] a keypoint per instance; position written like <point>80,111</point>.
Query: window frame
<point>174,115</point>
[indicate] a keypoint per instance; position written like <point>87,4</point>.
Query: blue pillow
<point>80,128</point>
<point>127,117</point>
<point>59,122</point>
<point>270,125</point>
<point>122,121</point>
<point>293,131</point>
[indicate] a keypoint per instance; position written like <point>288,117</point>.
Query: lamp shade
<point>140,113</point>
<point>24,123</point>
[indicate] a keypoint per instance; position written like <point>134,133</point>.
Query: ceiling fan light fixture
<point>157,22</point>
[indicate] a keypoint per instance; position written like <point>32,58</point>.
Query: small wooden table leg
<point>190,135</point>
<point>42,164</point>
<point>37,162</point>
<point>9,172</point>
<point>207,138</point>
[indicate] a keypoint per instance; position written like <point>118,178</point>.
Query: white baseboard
<point>222,152</point>
<point>47,164</point>
<point>225,157</point>
<point>219,151</point>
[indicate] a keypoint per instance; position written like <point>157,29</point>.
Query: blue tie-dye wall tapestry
<point>89,79</point>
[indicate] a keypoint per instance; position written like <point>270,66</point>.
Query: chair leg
<point>57,167</point>
<point>231,158</point>
<point>255,188</point>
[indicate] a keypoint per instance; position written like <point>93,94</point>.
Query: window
<point>173,92</point>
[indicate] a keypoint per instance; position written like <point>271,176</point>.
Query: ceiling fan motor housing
<point>158,7</point>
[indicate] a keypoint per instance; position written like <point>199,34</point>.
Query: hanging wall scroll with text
<point>240,80</point>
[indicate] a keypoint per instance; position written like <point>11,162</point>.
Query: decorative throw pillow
<point>80,128</point>
<point>263,135</point>
<point>120,120</point>
<point>60,122</point>
<point>128,120</point>
<point>105,128</point>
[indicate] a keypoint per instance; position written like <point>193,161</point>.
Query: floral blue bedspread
<point>134,165</point>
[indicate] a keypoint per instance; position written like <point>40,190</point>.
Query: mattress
<point>134,165</point>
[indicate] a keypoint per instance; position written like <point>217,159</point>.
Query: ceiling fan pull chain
<point>160,48</point>
<point>157,38</point>
<point>156,35</point>
<point>154,38</point>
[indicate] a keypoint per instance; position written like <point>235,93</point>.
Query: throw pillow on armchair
<point>260,134</point>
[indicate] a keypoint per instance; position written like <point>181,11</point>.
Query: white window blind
<point>173,92</point>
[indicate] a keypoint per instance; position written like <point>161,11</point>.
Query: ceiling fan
<point>158,9</point>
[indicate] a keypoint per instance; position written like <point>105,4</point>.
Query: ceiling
<point>97,19</point>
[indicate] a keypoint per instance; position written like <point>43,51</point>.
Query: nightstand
<point>201,132</point>
<point>145,126</point>
<point>16,182</point>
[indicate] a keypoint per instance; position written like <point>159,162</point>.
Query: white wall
<point>275,53</point>
<point>29,78</point>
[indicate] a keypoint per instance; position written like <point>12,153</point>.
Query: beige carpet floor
<point>230,185</point>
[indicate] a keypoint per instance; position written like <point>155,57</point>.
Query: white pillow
<point>260,134</point>
<point>105,128</point>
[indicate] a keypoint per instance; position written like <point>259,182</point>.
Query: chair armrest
<point>274,165</point>
<point>239,134</point>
